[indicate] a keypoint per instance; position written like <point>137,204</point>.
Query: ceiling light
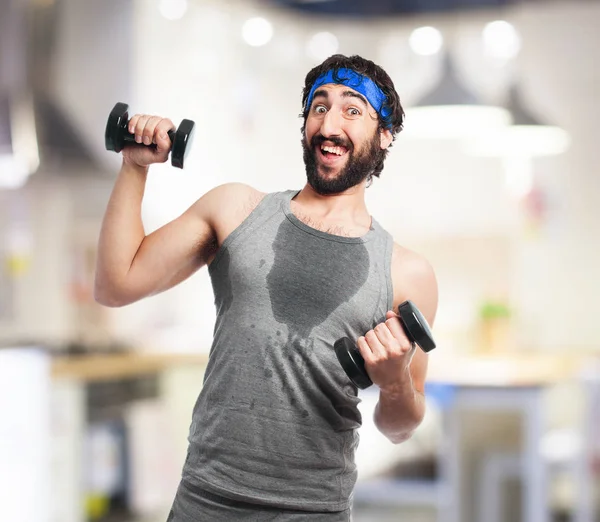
<point>173,9</point>
<point>426,41</point>
<point>527,136</point>
<point>501,40</point>
<point>451,111</point>
<point>257,31</point>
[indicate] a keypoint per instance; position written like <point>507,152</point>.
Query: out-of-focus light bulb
<point>322,45</point>
<point>501,40</point>
<point>257,31</point>
<point>173,9</point>
<point>426,41</point>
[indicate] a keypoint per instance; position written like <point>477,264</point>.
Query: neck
<point>348,206</point>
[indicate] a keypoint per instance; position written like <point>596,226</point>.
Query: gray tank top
<point>276,420</point>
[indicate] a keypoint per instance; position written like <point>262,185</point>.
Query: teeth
<point>334,150</point>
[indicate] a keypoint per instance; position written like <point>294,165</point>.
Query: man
<point>274,429</point>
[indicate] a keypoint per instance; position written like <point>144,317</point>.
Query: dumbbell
<point>416,329</point>
<point>117,135</point>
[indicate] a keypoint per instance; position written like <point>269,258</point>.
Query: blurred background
<point>494,179</point>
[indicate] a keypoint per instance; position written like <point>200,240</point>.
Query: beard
<point>357,169</point>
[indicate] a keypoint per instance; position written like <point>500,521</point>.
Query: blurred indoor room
<point>493,179</point>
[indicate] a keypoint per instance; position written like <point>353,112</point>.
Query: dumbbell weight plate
<point>416,326</point>
<point>352,362</point>
<point>182,142</point>
<point>115,127</point>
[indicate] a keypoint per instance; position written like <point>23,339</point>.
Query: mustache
<point>317,140</point>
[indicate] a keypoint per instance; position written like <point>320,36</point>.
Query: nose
<point>332,124</point>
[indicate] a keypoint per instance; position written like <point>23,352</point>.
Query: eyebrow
<point>346,94</point>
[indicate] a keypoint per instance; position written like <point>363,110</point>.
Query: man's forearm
<point>122,229</point>
<point>399,411</point>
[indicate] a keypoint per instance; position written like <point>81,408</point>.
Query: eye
<point>320,109</point>
<point>353,111</point>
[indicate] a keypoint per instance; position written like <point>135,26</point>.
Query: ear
<point>385,138</point>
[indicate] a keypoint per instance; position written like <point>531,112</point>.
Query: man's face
<point>342,142</point>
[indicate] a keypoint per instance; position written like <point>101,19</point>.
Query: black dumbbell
<point>117,135</point>
<point>416,329</point>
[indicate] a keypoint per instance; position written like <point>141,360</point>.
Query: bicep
<point>187,242</point>
<point>170,254</point>
<point>198,243</point>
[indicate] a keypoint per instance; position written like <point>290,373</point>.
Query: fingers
<point>395,328</point>
<point>387,338</point>
<point>365,350</point>
<point>370,344</point>
<point>136,126</point>
<point>148,131</point>
<point>387,351</point>
<point>151,129</point>
<point>375,344</point>
<point>161,137</point>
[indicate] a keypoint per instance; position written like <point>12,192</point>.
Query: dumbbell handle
<point>128,137</point>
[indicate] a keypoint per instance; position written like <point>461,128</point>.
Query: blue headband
<point>365,86</point>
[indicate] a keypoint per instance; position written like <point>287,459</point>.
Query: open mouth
<point>332,154</point>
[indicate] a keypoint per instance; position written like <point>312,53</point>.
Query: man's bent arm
<point>122,232</point>
<point>132,265</point>
<point>401,408</point>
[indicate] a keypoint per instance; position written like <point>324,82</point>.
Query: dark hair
<point>366,68</point>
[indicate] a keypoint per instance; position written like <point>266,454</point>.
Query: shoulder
<point>225,207</point>
<point>408,263</point>
<point>414,279</point>
<point>229,198</point>
<point>236,193</point>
